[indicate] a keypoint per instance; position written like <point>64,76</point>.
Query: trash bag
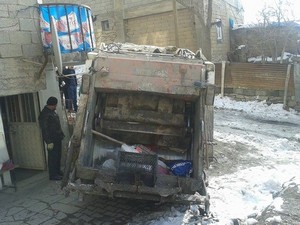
<point>181,168</point>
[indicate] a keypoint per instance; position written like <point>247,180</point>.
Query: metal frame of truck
<point>109,105</point>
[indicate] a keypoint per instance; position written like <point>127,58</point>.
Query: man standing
<point>52,135</point>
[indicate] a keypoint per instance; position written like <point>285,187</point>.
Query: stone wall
<point>20,48</point>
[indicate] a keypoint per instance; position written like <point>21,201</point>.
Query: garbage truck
<point>144,126</point>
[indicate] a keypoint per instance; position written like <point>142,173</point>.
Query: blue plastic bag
<point>181,168</point>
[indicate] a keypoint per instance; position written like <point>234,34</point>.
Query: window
<point>21,108</point>
<point>219,31</point>
<point>105,25</point>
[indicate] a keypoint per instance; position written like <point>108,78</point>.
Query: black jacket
<point>70,80</point>
<point>50,125</point>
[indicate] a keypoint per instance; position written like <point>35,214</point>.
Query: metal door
<point>25,136</point>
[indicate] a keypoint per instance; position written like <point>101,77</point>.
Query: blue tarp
<point>74,27</point>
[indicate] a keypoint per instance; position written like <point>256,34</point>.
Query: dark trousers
<point>54,157</point>
<point>72,96</point>
<point>64,91</point>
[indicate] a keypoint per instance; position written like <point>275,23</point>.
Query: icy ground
<point>254,178</point>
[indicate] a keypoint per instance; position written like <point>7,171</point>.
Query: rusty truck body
<point>161,104</point>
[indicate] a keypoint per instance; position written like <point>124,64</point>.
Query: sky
<point>267,141</point>
<point>252,7</point>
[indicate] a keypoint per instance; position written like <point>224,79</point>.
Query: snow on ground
<point>286,56</point>
<point>258,109</point>
<point>274,146</point>
<point>257,154</point>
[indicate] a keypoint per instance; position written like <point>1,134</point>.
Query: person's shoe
<point>56,177</point>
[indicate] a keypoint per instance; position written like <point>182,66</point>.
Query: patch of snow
<point>269,163</point>
<point>273,219</point>
<point>241,46</point>
<point>285,57</point>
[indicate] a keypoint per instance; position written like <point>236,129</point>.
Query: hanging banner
<point>74,27</point>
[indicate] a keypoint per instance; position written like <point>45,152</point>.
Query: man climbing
<point>71,88</point>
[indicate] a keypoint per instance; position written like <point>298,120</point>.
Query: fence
<point>262,81</point>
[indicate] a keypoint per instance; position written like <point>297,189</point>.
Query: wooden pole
<point>223,78</point>
<point>74,144</point>
<point>286,86</point>
<point>107,137</point>
<point>176,23</point>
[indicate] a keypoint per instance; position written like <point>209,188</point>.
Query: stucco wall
<point>19,44</point>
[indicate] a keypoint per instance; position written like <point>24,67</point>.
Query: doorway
<point>22,132</point>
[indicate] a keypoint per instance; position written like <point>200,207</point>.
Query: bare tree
<point>277,28</point>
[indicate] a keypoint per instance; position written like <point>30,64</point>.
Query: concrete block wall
<point>110,10</point>
<point>159,30</point>
<point>20,43</point>
<point>187,31</point>
<point>221,10</point>
<point>151,30</point>
<point>19,26</point>
<point>220,50</point>
<point>102,10</point>
<point>135,3</point>
<point>18,76</point>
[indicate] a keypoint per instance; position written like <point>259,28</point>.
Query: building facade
<point>151,22</point>
<point>27,79</point>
